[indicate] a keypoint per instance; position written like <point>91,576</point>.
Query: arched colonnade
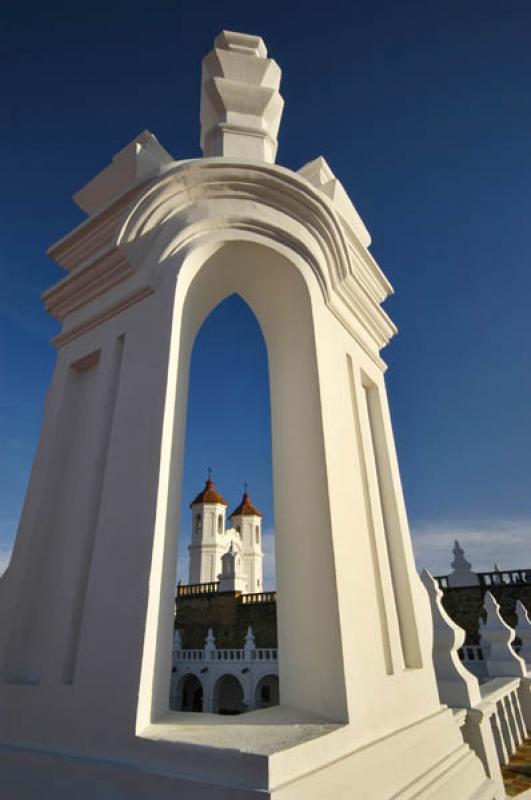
<point>230,691</point>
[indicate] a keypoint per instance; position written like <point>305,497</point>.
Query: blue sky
<point>423,110</point>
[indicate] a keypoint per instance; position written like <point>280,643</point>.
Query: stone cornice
<point>150,223</point>
<point>86,283</point>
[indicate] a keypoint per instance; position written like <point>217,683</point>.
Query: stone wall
<point>464,604</point>
<point>228,617</point>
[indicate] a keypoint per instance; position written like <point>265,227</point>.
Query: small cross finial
<point>245,487</point>
<point>210,473</point>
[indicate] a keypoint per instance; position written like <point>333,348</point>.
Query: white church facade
<point>231,555</point>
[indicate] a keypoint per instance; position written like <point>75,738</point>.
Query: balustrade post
<point>511,720</point>
<point>518,716</point>
<point>501,747</point>
<point>510,745</point>
<point>482,735</point>
<point>501,661</point>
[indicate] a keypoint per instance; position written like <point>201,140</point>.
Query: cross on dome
<point>209,493</point>
<point>246,508</point>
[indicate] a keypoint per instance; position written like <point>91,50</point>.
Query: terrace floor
<point>517,773</point>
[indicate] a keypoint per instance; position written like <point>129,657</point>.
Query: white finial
<point>460,561</point>
<point>210,643</point>
<point>250,645</point>
<point>523,631</point>
<point>500,658</point>
<point>241,106</point>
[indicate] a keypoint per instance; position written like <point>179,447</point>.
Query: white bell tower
<point>208,534</point>
<point>247,522</point>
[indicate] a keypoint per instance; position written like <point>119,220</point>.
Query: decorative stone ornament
<point>241,106</point>
<point>462,574</point>
<point>458,688</point>
<point>250,644</point>
<point>497,636</point>
<point>210,644</point>
<point>87,602</point>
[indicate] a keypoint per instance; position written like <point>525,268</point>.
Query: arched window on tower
<point>220,523</point>
<point>257,534</point>
<point>198,524</point>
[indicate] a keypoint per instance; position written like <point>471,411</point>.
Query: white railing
<point>494,716</point>
<point>227,654</point>
<point>188,655</point>
<point>506,717</point>
<point>258,597</point>
<point>212,653</point>
<point>504,577</point>
<point>266,654</point>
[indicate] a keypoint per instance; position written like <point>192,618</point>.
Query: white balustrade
<point>498,711</point>
<point>460,689</point>
<point>226,654</point>
<point>211,652</point>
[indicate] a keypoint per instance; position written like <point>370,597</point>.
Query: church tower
<point>208,534</point>
<point>247,521</point>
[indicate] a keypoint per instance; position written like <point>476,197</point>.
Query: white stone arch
<point>228,690</point>
<point>278,286</point>
<point>189,676</point>
<point>269,678</point>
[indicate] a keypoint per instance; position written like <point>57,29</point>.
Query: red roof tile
<point>209,495</point>
<point>246,508</point>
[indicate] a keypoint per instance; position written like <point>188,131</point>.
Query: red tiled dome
<point>246,508</point>
<point>209,495</point>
